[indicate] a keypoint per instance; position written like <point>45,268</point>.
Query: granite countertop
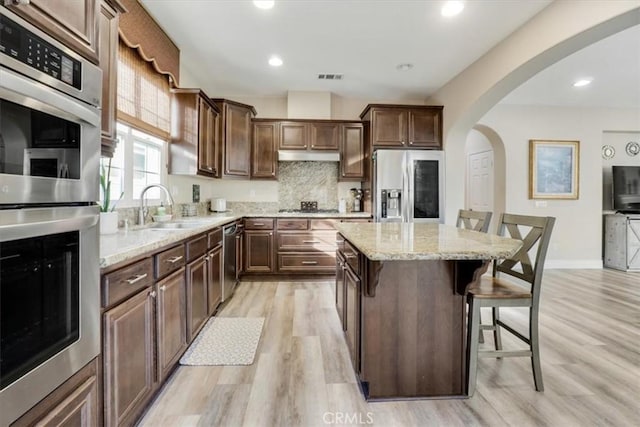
<point>127,244</point>
<point>425,241</point>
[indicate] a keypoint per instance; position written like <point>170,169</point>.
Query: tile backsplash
<point>308,181</point>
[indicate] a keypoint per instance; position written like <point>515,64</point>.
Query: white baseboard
<point>574,264</point>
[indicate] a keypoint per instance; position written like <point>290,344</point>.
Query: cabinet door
<point>259,251</point>
<point>74,23</point>
<point>237,140</point>
<point>129,362</point>
<point>352,316</point>
<point>207,150</point>
<point>108,22</point>
<point>389,127</point>
<point>352,152</point>
<point>293,136</point>
<point>324,136</point>
<point>340,288</point>
<point>171,321</point>
<point>633,244</point>
<point>264,157</point>
<point>79,409</point>
<point>214,260</point>
<point>425,128</point>
<point>196,296</point>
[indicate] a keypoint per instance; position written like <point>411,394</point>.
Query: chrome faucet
<point>144,210</point>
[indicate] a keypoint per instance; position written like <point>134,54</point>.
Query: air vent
<point>330,76</point>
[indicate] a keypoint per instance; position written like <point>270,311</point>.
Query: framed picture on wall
<point>553,169</point>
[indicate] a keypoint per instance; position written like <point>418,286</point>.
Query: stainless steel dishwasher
<point>231,250</point>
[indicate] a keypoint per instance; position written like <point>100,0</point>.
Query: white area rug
<point>225,341</point>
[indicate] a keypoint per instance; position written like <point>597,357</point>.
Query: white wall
<point>577,236</point>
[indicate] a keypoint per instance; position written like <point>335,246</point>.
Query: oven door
<point>49,301</point>
<point>36,119</point>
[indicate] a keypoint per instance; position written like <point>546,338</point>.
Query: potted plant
<point>108,215</point>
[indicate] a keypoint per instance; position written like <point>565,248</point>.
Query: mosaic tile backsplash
<point>308,181</point>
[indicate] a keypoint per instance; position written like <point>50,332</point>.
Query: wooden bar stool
<point>474,220</point>
<point>495,292</point>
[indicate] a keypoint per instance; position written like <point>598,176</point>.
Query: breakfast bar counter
<point>400,295</point>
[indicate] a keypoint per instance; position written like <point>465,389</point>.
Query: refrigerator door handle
<point>410,185</point>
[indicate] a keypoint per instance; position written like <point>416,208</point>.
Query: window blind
<point>143,94</point>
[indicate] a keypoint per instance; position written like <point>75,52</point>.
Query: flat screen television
<point>626,189</point>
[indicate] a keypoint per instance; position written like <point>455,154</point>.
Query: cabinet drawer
<point>119,284</point>
<point>322,224</point>
<point>196,247</point>
<point>308,263</point>
<point>352,256</point>
<point>169,261</point>
<point>300,241</point>
<point>258,223</point>
<point>292,224</point>
<point>215,237</point>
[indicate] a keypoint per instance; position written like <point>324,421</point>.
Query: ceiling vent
<point>330,76</point>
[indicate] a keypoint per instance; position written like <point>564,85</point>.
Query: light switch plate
<point>541,203</point>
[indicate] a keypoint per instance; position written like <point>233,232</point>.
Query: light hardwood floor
<point>590,350</point>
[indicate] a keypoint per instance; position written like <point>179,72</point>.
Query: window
<point>137,162</point>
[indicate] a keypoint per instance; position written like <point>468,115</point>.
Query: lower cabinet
<point>197,301</point>
<point>171,322</point>
<point>259,251</point>
<point>214,289</point>
<point>340,288</point>
<point>352,316</point>
<point>129,360</point>
<point>74,403</point>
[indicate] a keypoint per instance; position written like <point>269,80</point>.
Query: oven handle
<point>26,223</point>
<point>24,91</point>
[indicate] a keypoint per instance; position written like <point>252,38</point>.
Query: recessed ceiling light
<point>582,82</point>
<point>404,67</point>
<point>275,61</point>
<point>263,4</point>
<point>452,8</point>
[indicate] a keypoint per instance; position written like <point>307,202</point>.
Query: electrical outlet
<point>541,203</point>
<point>252,193</point>
<point>196,193</point>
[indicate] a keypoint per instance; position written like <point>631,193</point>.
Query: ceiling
<point>225,46</point>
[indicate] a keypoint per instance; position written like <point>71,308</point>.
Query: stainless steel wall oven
<point>49,175</point>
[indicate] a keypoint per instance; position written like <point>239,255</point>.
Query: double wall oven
<point>49,175</point>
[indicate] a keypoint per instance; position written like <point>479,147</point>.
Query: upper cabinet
<point>309,135</point>
<point>353,155</point>
<point>74,23</point>
<point>235,138</point>
<point>404,126</point>
<point>264,150</point>
<point>195,123</point>
<point>108,50</point>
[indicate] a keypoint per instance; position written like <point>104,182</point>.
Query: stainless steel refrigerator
<point>408,186</point>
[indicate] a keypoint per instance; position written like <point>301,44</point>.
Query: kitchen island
<point>400,296</point>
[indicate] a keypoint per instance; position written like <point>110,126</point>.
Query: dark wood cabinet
<point>352,315</point>
<point>170,322</point>
<point>324,136</point>
<point>195,124</point>
<point>352,152</point>
<point>129,358</point>
<point>259,251</point>
<point>74,403</point>
<point>293,135</point>
<point>235,138</point>
<point>340,288</point>
<point>74,23</point>
<point>197,309</point>
<point>215,269</point>
<point>108,19</point>
<point>404,126</point>
<point>264,150</point>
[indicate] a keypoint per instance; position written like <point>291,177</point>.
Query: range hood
<point>308,156</point>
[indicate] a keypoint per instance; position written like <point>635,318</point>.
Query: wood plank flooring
<point>590,350</point>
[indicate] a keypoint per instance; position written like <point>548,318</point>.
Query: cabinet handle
<point>210,168</point>
<point>270,234</point>
<point>311,241</point>
<point>403,142</point>
<point>174,259</point>
<point>410,142</point>
<point>309,262</point>
<point>136,278</point>
<point>339,242</point>
<point>258,224</point>
<point>163,288</point>
<point>152,294</point>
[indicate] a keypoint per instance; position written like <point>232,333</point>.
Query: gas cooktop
<point>308,211</point>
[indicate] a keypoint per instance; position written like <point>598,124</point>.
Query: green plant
<point>105,186</point>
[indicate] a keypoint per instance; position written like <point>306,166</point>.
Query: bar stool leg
<point>497,338</point>
<point>473,326</point>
